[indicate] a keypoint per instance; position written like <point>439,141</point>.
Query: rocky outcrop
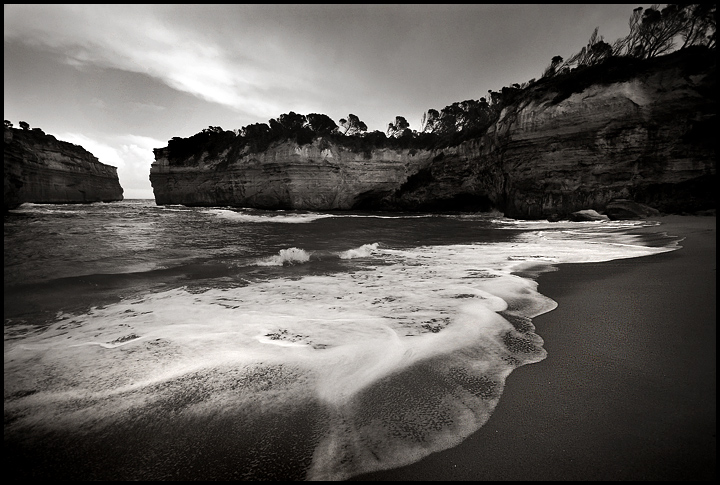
<point>588,215</point>
<point>316,176</point>
<point>620,209</point>
<point>647,138</point>
<point>39,168</point>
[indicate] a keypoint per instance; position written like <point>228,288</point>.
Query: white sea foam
<point>371,215</point>
<point>507,223</point>
<point>252,215</point>
<point>403,359</point>
<point>285,257</point>
<point>259,217</point>
<point>32,208</point>
<point>176,208</point>
<point>363,251</point>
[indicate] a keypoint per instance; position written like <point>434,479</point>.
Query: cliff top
<point>35,138</point>
<point>687,62</point>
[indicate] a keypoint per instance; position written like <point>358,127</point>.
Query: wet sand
<point>628,390</point>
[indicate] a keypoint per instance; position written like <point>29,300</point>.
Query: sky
<point>120,80</point>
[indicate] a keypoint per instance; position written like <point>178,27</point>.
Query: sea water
<point>169,342</point>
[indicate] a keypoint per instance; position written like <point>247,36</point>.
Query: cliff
<point>41,169</point>
<point>649,138</point>
<point>642,132</point>
<point>316,176</point>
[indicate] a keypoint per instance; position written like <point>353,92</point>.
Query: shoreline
<point>628,390</point>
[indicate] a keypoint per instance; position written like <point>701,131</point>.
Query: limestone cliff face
<point>39,168</point>
<point>316,176</point>
<point>325,176</point>
<point>466,177</point>
<point>648,138</point>
<point>644,139</point>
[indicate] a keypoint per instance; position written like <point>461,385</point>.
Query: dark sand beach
<point>628,390</point>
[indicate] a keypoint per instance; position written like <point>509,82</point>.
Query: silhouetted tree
<point>554,66</point>
<point>429,121</point>
<point>654,31</point>
<point>448,122</point>
<point>321,124</point>
<point>256,130</point>
<point>397,129</point>
<point>375,139</point>
<point>595,52</point>
<point>291,126</point>
<point>257,136</point>
<point>353,125</point>
<point>24,125</point>
<point>475,114</point>
<point>701,24</point>
<point>277,130</point>
<point>292,121</point>
<point>651,33</point>
<point>8,124</point>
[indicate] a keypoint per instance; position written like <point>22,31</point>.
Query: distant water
<point>147,342</point>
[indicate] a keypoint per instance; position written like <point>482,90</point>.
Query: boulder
<point>555,217</point>
<point>588,215</point>
<point>624,209</point>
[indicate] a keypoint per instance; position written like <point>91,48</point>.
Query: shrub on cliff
<point>399,128</point>
<point>353,125</point>
<point>320,124</point>
<point>290,126</point>
<point>618,69</point>
<point>213,140</point>
<point>654,33</point>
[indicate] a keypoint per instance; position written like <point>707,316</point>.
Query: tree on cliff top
<point>430,120</point>
<point>289,126</point>
<point>291,122</point>
<point>463,116</point>
<point>701,26</point>
<point>655,31</point>
<point>257,136</point>
<point>353,125</point>
<point>212,140</point>
<point>398,128</point>
<point>321,124</point>
<point>595,52</point>
<point>555,65</point>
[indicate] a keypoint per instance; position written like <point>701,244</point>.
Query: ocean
<point>147,342</point>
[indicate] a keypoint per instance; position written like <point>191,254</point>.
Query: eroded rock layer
<point>41,169</point>
<point>316,176</point>
<point>646,139</point>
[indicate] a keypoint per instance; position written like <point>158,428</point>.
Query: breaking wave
<point>270,216</point>
<point>285,257</point>
<point>363,251</point>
